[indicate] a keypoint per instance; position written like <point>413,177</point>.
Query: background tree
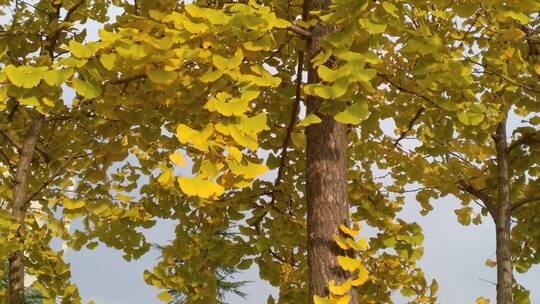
<point>468,92</point>
<point>31,295</point>
<point>56,152</point>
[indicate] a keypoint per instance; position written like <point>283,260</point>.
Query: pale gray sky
<point>454,256</point>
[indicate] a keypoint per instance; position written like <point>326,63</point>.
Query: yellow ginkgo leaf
<point>244,139</point>
<point>72,205</point>
<point>226,105</point>
<point>354,114</point>
<point>166,179</point>
<point>537,69</point>
<point>83,51</point>
<point>232,63</point>
<point>359,245</point>
<point>25,76</point>
<point>482,300</point>
<point>199,187</point>
<point>343,245</point>
<point>490,263</point>
<point>177,159</point>
<point>345,299</point>
<point>165,296</point>
<point>235,153</point>
<point>183,23</point>
<point>134,51</point>
<point>249,171</point>
<point>124,198</point>
<point>211,76</point>
<point>108,61</point>
<point>348,263</point>
<point>352,233</point>
<point>319,300</point>
<point>339,290</point>
<point>55,78</point>
<point>210,169</point>
<point>362,276</point>
<point>255,124</point>
<point>199,140</point>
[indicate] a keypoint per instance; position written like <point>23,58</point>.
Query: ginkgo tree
<point>57,152</point>
<point>468,91</point>
<point>225,81</point>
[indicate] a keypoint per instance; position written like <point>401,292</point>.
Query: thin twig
<point>14,142</point>
<point>506,78</point>
<point>53,176</point>
<point>410,125</point>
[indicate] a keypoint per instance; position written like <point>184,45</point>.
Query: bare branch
<point>490,282</point>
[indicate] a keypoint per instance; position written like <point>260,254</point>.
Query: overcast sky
<point>454,256</point>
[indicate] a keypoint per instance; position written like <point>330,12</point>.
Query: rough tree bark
<point>16,265</point>
<point>26,156</point>
<point>502,219</point>
<point>327,198</point>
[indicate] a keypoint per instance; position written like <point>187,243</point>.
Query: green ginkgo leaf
<point>162,77</point>
<point>354,114</point>
<point>86,89</point>
<point>471,118</point>
<point>309,120</point>
<point>108,61</point>
<point>56,78</point>
<point>372,27</point>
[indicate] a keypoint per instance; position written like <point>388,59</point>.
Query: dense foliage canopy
<point>206,113</point>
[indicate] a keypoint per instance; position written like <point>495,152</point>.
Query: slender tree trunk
<point>327,198</point>
<point>502,221</point>
<point>16,259</point>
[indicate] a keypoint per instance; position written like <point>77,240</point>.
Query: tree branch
<point>127,79</point>
<point>486,199</point>
<point>53,176</point>
<point>410,125</point>
<point>72,10</point>
<point>300,31</point>
<point>505,78</point>
<point>401,88</point>
<point>14,142</point>
<point>525,201</point>
<point>526,139</point>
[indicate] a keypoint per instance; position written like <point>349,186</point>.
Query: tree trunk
<point>502,221</point>
<point>16,259</point>
<point>326,183</point>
